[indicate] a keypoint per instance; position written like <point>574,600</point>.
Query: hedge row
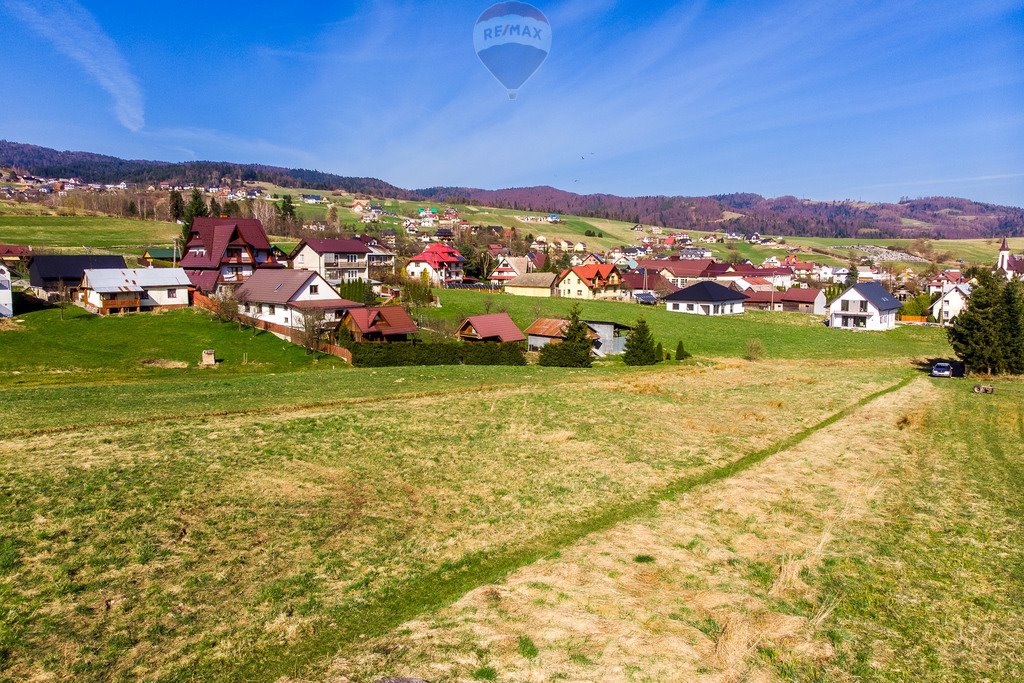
<point>446,353</point>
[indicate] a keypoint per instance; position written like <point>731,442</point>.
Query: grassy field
<point>783,335</point>
<point>297,518</point>
<point>97,232</point>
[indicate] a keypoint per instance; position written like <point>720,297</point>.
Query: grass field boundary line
<point>443,587</point>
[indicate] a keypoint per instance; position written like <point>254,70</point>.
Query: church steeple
<point>1004,258</point>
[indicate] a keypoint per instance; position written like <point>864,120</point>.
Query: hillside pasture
<point>86,232</point>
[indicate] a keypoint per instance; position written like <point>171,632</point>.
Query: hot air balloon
<point>512,39</point>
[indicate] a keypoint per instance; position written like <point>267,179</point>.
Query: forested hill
<point>936,217</point>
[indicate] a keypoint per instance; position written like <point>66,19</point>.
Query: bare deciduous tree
<point>314,324</point>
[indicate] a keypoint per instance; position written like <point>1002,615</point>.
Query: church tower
<point>1003,266</point>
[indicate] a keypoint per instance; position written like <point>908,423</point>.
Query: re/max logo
<point>512,30</point>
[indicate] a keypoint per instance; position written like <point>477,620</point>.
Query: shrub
<point>573,351</point>
<point>659,352</point>
<point>755,350</point>
<point>681,352</point>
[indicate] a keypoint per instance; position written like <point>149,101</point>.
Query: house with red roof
<point>441,263</point>
<point>379,324</point>
<point>494,327</point>
<point>337,260</point>
<point>11,254</point>
<point>804,300</point>
<point>283,297</point>
<point>224,252</point>
<point>642,282</point>
<point>594,281</point>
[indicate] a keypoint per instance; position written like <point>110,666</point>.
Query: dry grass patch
<point>724,592</point>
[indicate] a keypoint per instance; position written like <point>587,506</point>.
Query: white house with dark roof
<point>706,298</point>
<point>337,260</point>
<point>283,297</point>
<point>951,303</point>
<point>6,299</point>
<point>865,306</point>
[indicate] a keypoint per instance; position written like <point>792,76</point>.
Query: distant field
<point>86,231</point>
<point>784,335</point>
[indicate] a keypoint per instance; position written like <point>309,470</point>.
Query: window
<point>352,258</point>
<point>314,289</point>
<point>172,294</point>
<point>272,309</point>
<point>246,308</point>
<point>579,292</point>
<point>846,305</point>
<point>302,257</point>
<point>689,307</point>
<point>863,306</point>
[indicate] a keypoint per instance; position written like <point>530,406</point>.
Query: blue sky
<point>865,100</point>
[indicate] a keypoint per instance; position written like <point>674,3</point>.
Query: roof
<point>332,246</point>
<point>551,327</point>
<point>215,234</point>
<point>763,296</point>
<point>592,274</point>
<point>203,280</point>
<point>710,292</point>
<point>435,255</point>
<point>18,250</point>
<point>280,286</point>
<point>877,295</point>
<point>678,268</point>
<point>69,267</point>
<point>652,281</point>
<point>164,253</point>
<point>541,280</point>
<point>801,295</point>
<point>108,280</point>
<point>497,326</point>
<point>386,320</point>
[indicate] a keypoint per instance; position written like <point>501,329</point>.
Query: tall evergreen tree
<point>977,333</point>
<point>1012,327</point>
<point>640,349</point>
<point>177,206</point>
<point>852,277</point>
<point>214,207</point>
<point>196,207</point>
<point>681,352</point>
<point>287,207</point>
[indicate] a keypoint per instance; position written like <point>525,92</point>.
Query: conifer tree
<point>196,207</point>
<point>681,352</point>
<point>977,335</point>
<point>852,277</point>
<point>214,207</point>
<point>177,206</point>
<point>640,349</point>
<point>573,351</point>
<point>1012,327</point>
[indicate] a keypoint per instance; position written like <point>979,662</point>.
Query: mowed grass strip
<point>932,588</point>
<point>249,547</point>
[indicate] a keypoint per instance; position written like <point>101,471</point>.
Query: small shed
<point>494,327</point>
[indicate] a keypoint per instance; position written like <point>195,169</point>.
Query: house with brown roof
<point>595,281</point>
<point>493,327</point>
<point>337,260</point>
<point>283,297</point>
<point>541,285</point>
<point>379,324</point>
<point>805,300</point>
<point>608,338</point>
<point>224,252</point>
<point>12,254</point>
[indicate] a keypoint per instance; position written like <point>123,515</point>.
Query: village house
<point>224,252</point>
<point>337,260</point>
<point>6,293</point>
<point>541,285</point>
<point>508,268</point>
<point>865,306</point>
<point>12,254</point>
<point>379,324</point>
<point>950,304</point>
<point>493,327</point>
<point>113,290</point>
<point>590,282</point>
<point>646,287</point>
<point>381,259</point>
<point>47,273</point>
<point>281,298</point>
<point>608,338</point>
<point>804,300</point>
<point>441,263</point>
<point>706,298</point>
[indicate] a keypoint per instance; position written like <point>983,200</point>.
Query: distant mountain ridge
<point>934,217</point>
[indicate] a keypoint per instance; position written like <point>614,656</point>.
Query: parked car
<point>942,370</point>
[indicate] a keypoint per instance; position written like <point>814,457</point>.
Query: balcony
<point>237,259</point>
<point>115,304</point>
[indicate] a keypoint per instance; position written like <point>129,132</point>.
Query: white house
<point>706,298</point>
<point>283,297</point>
<point>110,290</point>
<point>6,302</point>
<point>337,260</point>
<point>951,304</point>
<point>865,306</point>
<point>439,262</point>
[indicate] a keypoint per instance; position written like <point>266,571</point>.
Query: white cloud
<point>76,33</point>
